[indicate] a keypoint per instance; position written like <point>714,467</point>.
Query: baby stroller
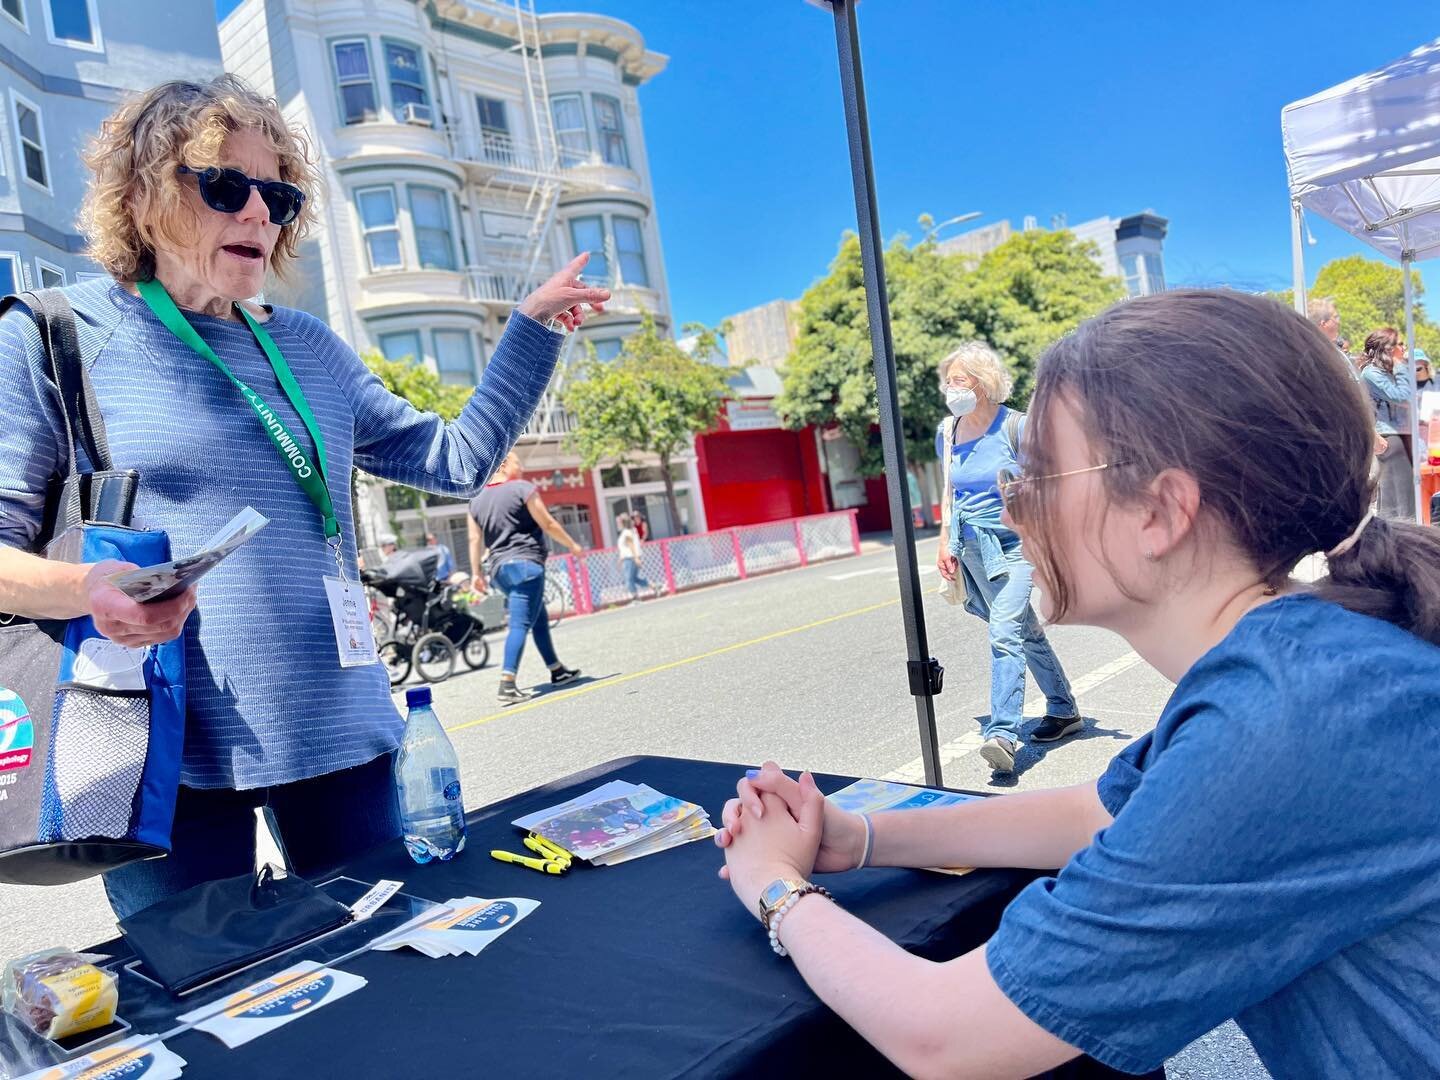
<point>430,626</point>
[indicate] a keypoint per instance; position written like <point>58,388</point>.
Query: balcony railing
<point>550,421</point>
<point>490,285</point>
<point>500,151</point>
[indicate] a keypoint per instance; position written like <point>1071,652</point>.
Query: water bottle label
<point>452,790</point>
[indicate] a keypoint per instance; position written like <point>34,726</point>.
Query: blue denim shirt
<point>975,516</point>
<point>1390,394</point>
<point>1275,857</point>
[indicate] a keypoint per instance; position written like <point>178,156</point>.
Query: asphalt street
<point>806,667</point>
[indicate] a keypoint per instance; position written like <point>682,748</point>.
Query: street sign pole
<point>924,673</point>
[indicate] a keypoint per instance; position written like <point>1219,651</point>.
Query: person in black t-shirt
<point>509,521</point>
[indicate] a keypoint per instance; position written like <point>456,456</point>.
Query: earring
<point>1150,556</point>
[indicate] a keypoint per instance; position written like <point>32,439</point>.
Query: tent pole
<point>1297,253</point>
<point>923,670</point>
<point>1417,451</point>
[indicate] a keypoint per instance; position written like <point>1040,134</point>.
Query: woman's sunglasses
<point>1017,489</point>
<point>228,190</point>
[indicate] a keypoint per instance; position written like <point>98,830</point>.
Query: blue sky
<point>1014,108</point>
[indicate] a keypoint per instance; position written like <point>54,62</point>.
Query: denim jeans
<point>1015,640</point>
<point>320,824</point>
<point>633,578</point>
<point>523,583</point>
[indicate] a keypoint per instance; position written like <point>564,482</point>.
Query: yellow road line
<point>546,699</point>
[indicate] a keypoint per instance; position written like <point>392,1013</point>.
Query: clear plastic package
<point>57,993</point>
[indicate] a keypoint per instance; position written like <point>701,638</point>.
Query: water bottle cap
<point>417,697</point>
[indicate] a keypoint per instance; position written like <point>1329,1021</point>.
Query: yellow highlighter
<point>545,866</point>
<point>548,848</point>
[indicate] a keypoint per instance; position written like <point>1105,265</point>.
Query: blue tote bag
<point>91,732</point>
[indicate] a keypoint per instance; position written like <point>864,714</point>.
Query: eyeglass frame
<point>1007,481</point>
<point>212,172</point>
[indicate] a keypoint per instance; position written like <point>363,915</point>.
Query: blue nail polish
<point>751,774</point>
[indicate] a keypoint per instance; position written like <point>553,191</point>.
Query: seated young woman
<point>1271,850</point>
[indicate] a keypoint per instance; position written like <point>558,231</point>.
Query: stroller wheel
<point>434,657</point>
<point>395,655</point>
<point>476,652</point>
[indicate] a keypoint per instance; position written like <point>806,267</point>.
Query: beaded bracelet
<point>779,913</point>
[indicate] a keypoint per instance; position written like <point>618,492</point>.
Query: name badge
<point>350,612</point>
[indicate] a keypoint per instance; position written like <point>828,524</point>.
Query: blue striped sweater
<point>268,702</point>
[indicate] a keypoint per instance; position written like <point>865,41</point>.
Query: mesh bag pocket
<point>97,759</point>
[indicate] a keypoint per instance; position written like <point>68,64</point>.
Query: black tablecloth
<point>648,969</point>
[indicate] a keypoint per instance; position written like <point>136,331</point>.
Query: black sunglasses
<point>228,190</point>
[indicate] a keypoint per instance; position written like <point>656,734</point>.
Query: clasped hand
<point>778,827</point>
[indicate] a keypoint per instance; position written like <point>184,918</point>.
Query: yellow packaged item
<point>57,993</point>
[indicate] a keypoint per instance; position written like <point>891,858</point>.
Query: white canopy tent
<point>1365,155</point>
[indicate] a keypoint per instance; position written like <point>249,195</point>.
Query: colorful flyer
<point>265,1006</point>
<point>467,926</point>
<point>139,1055</point>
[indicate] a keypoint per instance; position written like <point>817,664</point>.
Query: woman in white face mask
<point>978,439</point>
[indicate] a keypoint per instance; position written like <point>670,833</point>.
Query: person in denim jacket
<point>979,551</point>
<point>1386,377</point>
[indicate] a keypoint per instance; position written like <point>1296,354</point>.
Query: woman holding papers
<point>198,192</point>
<point>1269,851</point>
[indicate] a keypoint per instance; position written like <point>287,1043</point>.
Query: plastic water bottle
<point>427,784</point>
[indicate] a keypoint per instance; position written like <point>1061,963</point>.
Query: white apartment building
<point>470,148</point>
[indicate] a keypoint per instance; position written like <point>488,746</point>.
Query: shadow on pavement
<point>1031,754</point>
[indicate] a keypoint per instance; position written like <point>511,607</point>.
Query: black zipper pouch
<point>218,927</point>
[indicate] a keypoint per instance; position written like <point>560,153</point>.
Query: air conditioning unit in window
<point>422,115</point>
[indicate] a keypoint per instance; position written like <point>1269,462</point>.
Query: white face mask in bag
<point>959,400</point>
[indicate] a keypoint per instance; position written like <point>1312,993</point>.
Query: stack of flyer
<point>465,926</point>
<point>874,796</point>
<point>619,821</point>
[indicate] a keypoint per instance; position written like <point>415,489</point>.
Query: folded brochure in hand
<point>619,821</point>
<point>875,796</point>
<point>164,580</point>
<point>466,924</point>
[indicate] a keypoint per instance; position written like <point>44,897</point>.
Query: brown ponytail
<point>1252,400</point>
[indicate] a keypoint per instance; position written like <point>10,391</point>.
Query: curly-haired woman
<point>199,190</point>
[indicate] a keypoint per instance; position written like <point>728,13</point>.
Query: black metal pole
<point>925,674</point>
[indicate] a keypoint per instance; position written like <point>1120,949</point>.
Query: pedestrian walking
<point>983,561</point>
<point>200,192</point>
<point>1386,377</point>
<point>627,543</point>
<point>508,525</point>
<point>1268,852</point>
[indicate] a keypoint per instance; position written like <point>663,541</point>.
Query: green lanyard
<point>313,481</point>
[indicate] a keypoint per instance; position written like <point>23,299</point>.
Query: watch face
<point>774,892</point>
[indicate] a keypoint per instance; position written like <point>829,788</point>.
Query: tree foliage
<point>652,398</point>
<point>1370,294</point>
<point>1019,298</point>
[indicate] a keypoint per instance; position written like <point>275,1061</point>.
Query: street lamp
<point>971,216</point>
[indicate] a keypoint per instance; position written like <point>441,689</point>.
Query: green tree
<point>1019,298</point>
<point>422,387</point>
<point>1369,294</point>
<point>652,398</point>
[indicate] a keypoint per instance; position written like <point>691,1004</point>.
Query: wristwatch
<point>777,898</point>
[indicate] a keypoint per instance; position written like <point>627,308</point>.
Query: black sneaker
<point>510,694</point>
<point>561,675</point>
<point>1056,727</point>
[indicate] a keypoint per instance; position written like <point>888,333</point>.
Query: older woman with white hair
<point>199,190</point>
<point>980,552</point>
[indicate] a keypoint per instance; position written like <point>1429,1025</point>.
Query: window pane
<point>403,345</point>
<point>570,130</point>
<point>1154,274</point>
<point>407,82</point>
<point>630,248</point>
<point>402,95</point>
<point>358,100</point>
<point>29,123</point>
<point>384,248</point>
<point>51,278</point>
<point>588,234</point>
<point>377,207</point>
<point>606,348</point>
<point>71,19</point>
<point>14,10</point>
<point>611,131</point>
<point>35,165</point>
<point>352,61</point>
<point>454,357</point>
<point>492,114</point>
<point>432,228</point>
<point>9,269</point>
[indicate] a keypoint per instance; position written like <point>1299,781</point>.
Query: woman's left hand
<point>564,298</point>
<point>773,846</point>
